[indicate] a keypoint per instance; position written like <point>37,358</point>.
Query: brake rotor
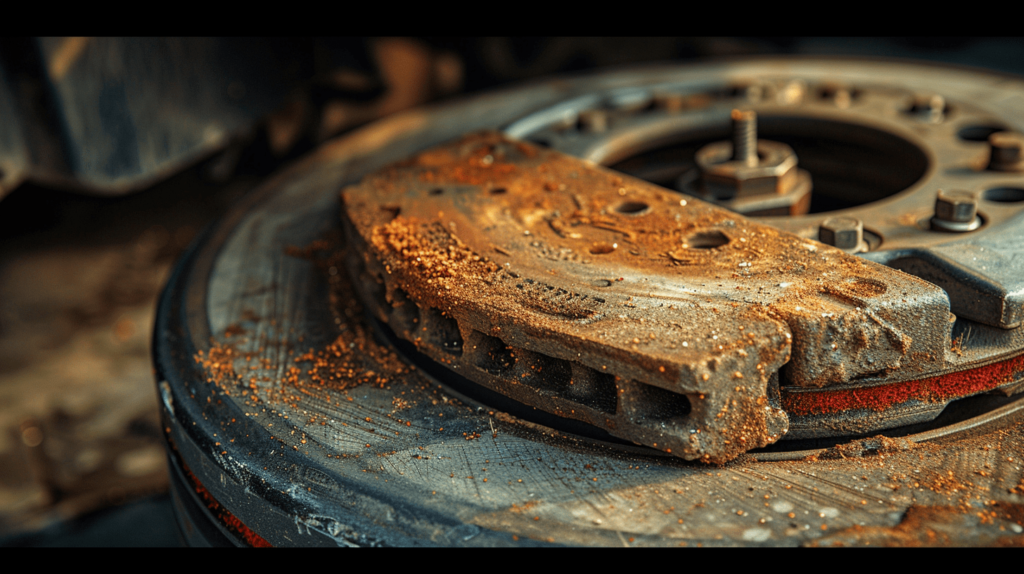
<point>544,338</point>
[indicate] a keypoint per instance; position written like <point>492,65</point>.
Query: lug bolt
<point>846,233</point>
<point>931,108</point>
<point>956,210</point>
<point>744,137</point>
<point>1007,151</point>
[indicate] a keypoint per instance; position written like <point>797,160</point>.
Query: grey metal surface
<point>983,275</point>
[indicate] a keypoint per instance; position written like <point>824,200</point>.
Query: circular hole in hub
<point>850,164</point>
<point>1004,194</point>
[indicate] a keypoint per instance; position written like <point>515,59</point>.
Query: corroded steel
<point>595,296</point>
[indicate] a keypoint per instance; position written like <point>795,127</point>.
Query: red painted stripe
<point>934,389</point>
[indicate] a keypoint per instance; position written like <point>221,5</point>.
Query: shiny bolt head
<point>930,108</point>
<point>1007,151</point>
<point>956,206</point>
<point>842,232</point>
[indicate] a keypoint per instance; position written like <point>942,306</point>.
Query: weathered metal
<point>1005,150</point>
<point>302,428</point>
<point>846,233</point>
<point>983,275</point>
<point>748,175</point>
<point>606,299</point>
<point>956,210</point>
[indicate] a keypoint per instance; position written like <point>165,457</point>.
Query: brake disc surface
<point>289,422</point>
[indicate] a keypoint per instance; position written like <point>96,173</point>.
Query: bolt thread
<point>744,137</point>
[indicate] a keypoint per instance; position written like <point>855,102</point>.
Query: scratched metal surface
<point>517,483</point>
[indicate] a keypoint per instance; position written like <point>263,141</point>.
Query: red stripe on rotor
<point>229,520</point>
<point>933,389</point>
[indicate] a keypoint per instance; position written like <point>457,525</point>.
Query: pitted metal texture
<point>599,297</point>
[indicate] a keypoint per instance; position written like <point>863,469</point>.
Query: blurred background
<point>115,153</point>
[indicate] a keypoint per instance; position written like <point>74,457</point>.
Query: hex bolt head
<point>842,232</point>
<point>1007,151</point>
<point>930,108</point>
<point>956,210</point>
<point>956,206</point>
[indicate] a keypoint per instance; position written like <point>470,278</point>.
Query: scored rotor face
<point>606,299</point>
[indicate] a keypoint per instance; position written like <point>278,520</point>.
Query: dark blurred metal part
<point>113,115</point>
<point>1007,151</point>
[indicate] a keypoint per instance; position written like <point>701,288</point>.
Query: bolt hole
<point>978,133</point>
<point>1004,195</point>
<point>600,248</point>
<point>706,240</point>
<point>632,207</point>
<point>436,191</point>
<point>499,190</point>
<point>601,283</point>
<point>393,210</point>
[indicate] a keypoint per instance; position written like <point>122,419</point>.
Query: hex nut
<point>842,232</point>
<point>930,108</point>
<point>724,178</point>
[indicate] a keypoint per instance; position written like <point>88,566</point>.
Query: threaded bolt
<point>1007,151</point>
<point>744,137</point>
<point>842,232</point>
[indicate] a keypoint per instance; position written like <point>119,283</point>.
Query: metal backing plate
<point>366,451</point>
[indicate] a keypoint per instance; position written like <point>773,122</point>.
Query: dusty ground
<point>79,281</point>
